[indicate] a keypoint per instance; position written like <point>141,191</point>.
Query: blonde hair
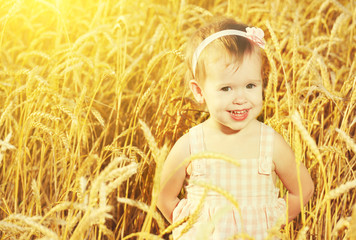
<point>235,46</point>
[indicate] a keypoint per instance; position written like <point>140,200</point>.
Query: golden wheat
<point>5,112</point>
<point>143,235</point>
<point>343,188</point>
<point>145,208</point>
<point>108,174</point>
<point>93,95</point>
<point>32,222</point>
<point>194,216</point>
<point>349,141</point>
<point>11,227</point>
<point>340,226</point>
<point>91,217</point>
<point>352,232</point>
<point>302,233</point>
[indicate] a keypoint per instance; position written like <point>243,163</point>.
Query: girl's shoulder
<point>180,150</point>
<point>283,154</point>
<point>268,127</point>
<point>278,140</point>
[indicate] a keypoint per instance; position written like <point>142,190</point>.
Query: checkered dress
<point>251,184</point>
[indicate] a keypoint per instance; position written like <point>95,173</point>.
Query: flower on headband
<point>256,35</point>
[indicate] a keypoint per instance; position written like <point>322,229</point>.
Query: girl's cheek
<point>255,94</point>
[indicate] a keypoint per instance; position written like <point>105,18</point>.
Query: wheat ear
<point>143,235</point>
<point>91,216</point>
<point>144,207</point>
<point>343,188</point>
<point>31,222</point>
<point>352,232</point>
<point>302,233</point>
<point>195,215</point>
<point>340,225</point>
<point>349,141</point>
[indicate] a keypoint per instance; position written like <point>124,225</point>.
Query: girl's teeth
<point>239,112</point>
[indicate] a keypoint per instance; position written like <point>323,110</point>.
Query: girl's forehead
<point>216,53</point>
<point>221,65</point>
<point>221,59</point>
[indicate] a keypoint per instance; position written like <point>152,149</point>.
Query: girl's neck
<point>217,128</point>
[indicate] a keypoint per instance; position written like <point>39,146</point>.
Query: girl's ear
<point>197,91</point>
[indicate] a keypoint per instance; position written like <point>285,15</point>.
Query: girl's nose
<point>239,97</point>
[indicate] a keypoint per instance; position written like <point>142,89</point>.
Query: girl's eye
<point>226,89</point>
<point>250,86</point>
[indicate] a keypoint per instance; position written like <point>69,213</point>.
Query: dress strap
<point>196,139</point>
<point>266,150</point>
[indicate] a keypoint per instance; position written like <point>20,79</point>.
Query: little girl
<point>225,66</point>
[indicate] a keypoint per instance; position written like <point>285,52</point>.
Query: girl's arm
<point>286,169</point>
<point>172,177</point>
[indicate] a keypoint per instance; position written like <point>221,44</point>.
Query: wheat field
<point>93,96</point>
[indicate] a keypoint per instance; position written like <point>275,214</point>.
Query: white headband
<point>253,34</point>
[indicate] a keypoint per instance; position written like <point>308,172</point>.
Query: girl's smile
<point>239,115</point>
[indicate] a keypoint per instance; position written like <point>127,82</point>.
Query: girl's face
<point>233,93</point>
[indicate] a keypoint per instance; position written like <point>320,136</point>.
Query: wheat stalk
<point>91,216</point>
<point>210,155</point>
<point>143,235</point>
<point>38,115</point>
<point>340,225</point>
<point>241,236</point>
<point>12,229</point>
<point>193,217</point>
<point>53,64</point>
<point>144,207</point>
<point>275,230</point>
<point>150,139</point>
<point>131,170</point>
<point>309,140</point>
<point>343,188</point>
<point>339,21</point>
<point>349,141</point>
<point>108,174</point>
<point>341,7</point>
<point>32,222</point>
<point>5,113</point>
<point>5,144</point>
<point>98,117</point>
<point>36,193</point>
<point>352,232</point>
